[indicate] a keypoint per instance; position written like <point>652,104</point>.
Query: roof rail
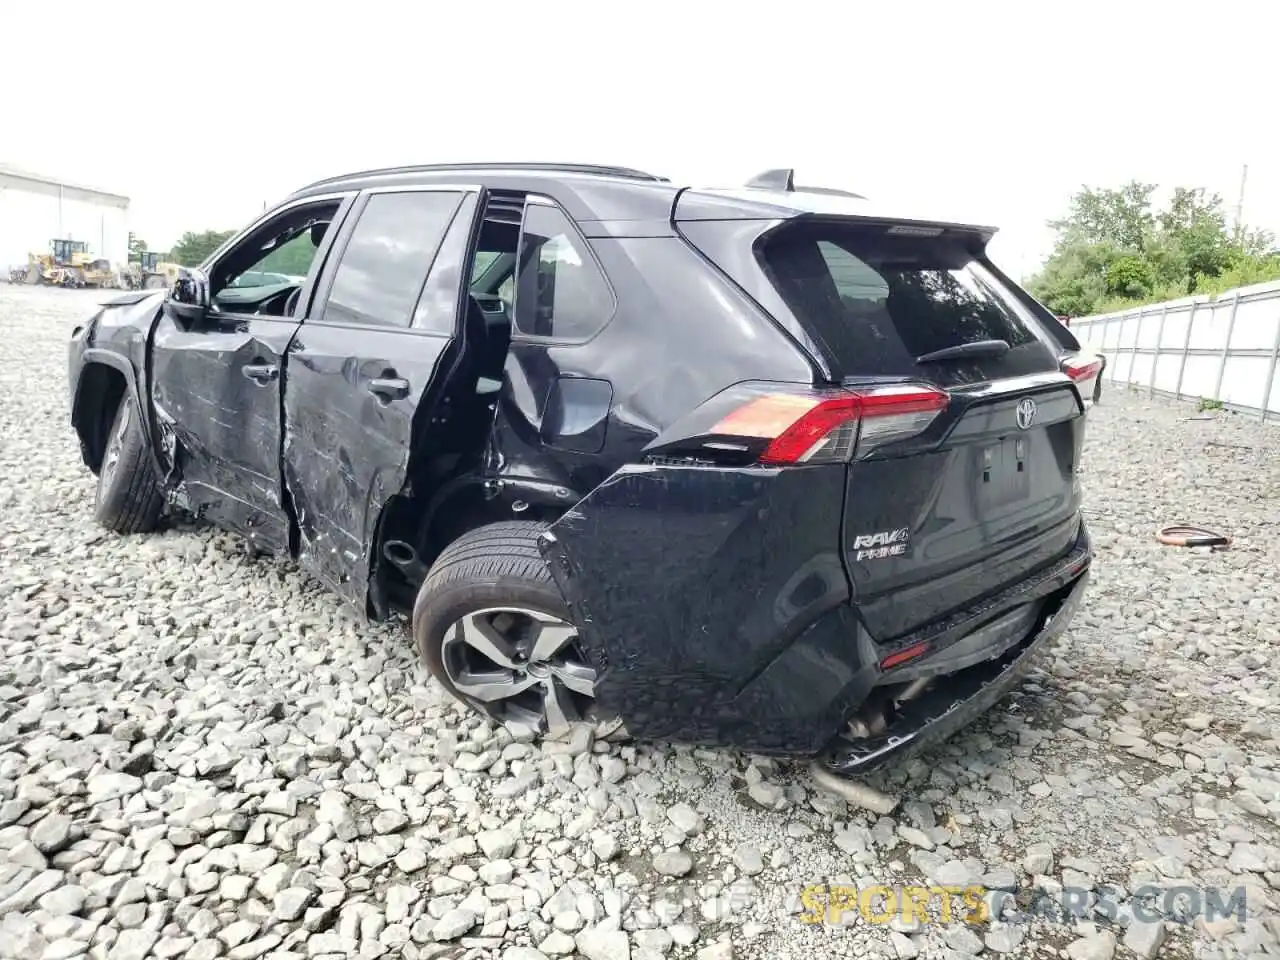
<point>587,168</point>
<point>833,191</point>
<point>784,179</point>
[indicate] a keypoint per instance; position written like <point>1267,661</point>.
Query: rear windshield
<point>878,301</point>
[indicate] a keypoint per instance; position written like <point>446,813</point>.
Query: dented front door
<point>216,392</point>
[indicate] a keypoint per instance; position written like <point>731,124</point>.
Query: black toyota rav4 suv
<point>768,466</point>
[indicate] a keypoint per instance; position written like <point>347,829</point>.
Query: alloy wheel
<point>521,666</point>
<point>115,444</point>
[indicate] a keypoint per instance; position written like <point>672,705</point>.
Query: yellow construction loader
<point>150,272</point>
<point>69,264</point>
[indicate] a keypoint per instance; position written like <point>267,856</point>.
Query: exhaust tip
<point>855,794</point>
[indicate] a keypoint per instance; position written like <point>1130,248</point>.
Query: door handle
<point>387,389</point>
<point>261,372</point>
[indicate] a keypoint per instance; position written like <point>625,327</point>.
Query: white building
<point>35,209</point>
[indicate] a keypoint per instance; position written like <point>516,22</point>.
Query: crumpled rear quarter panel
<point>715,603</point>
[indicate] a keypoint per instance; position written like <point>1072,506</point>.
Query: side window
<point>292,260</point>
<point>437,310</point>
<point>277,253</point>
<point>483,261</point>
<point>385,262</point>
<point>559,291</point>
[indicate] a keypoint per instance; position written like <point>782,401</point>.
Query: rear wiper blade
<point>965,351</point>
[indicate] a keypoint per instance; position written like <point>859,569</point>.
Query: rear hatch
<point>970,486</point>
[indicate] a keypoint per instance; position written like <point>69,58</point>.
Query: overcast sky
<point>992,112</point>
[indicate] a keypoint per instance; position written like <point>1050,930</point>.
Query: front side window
<point>560,291</point>
<point>249,278</point>
<point>385,262</point>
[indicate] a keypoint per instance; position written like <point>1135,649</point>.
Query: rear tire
<point>492,627</point>
<point>129,498</point>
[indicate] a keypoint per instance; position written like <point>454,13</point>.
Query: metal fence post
<point>1186,345</point>
<point>1155,361</point>
<point>1120,344</point>
<point>1133,354</point>
<point>1271,373</point>
<point>1226,351</point>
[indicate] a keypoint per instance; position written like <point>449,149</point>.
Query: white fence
<point>1220,348</point>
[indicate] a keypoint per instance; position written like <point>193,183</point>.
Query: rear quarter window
<point>560,291</point>
<point>877,301</point>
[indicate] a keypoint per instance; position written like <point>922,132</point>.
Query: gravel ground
<point>204,755</point>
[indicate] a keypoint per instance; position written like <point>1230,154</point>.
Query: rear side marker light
<point>836,425</point>
<point>903,655</point>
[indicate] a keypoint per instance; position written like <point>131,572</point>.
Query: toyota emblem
<point>1026,413</point>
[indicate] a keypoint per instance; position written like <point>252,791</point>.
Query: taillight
<point>1084,370</point>
<point>1080,369</point>
<point>836,425</point>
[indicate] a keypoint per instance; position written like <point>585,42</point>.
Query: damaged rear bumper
<point>716,609</point>
<point>956,699</point>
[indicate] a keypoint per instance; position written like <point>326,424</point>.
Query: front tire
<point>129,498</point>
<point>493,628</point>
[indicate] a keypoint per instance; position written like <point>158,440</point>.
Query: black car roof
<point>593,192</point>
<point>589,192</point>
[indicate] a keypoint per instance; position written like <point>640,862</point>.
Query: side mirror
<point>188,300</point>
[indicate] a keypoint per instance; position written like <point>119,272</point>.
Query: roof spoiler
<point>784,179</point>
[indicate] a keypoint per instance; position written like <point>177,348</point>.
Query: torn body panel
<point>715,607</point>
<point>571,414</point>
<point>218,393</point>
<point>115,338</point>
<point>349,428</point>
<point>714,602</point>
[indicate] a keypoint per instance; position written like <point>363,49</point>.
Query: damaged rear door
<point>375,343</point>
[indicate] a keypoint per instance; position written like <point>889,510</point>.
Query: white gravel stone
<point>1144,937</point>
<point>497,844</point>
<point>453,924</point>
<point>600,944</point>
<point>673,863</point>
<point>290,903</point>
<point>557,944</point>
<point>1097,946</point>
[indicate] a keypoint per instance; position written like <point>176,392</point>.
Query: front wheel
<point>492,627</point>
<point>129,498</point>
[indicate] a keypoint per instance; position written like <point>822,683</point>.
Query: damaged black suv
<point>766,466</point>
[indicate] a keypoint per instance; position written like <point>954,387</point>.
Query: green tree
<point>192,249</point>
<point>1129,276</point>
<point>136,246</point>
<point>1114,248</point>
<point>1122,218</point>
<point>292,259</point>
<point>1195,225</point>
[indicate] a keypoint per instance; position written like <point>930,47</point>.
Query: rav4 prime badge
<point>877,546</point>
